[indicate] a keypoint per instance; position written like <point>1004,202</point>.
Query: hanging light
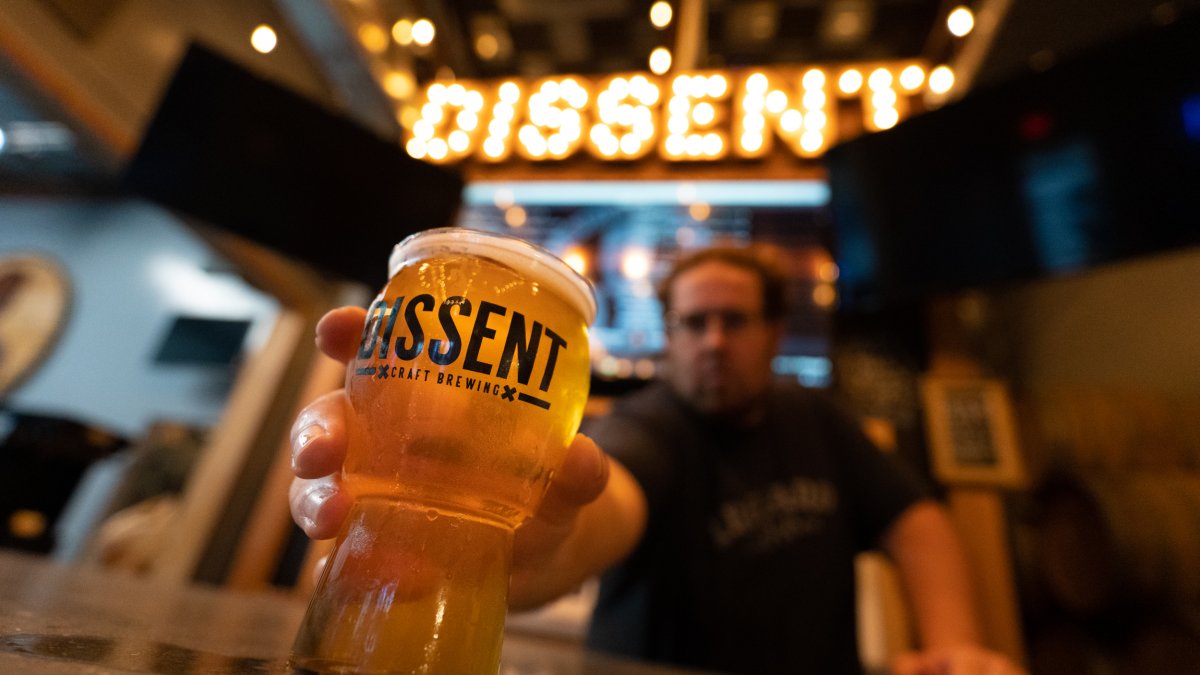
<point>263,39</point>
<point>402,32</point>
<point>423,32</point>
<point>960,21</point>
<point>661,14</point>
<point>373,38</point>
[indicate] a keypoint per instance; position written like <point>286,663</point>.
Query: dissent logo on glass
<point>395,336</point>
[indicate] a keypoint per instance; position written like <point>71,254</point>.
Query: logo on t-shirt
<point>775,516</point>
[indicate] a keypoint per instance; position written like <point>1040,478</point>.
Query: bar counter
<point>61,619</point>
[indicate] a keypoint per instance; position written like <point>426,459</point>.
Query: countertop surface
<point>62,619</point>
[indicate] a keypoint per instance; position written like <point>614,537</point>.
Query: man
<point>727,524</point>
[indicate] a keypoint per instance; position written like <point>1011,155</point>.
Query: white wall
<point>133,267</point>
<point>1132,325</point>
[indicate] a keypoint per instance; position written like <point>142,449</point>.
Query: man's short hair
<point>757,259</point>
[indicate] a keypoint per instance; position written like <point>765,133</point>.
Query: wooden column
<point>233,517</point>
<point>262,542</point>
<point>210,484</point>
<point>977,508</point>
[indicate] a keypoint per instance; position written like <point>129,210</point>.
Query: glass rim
<point>509,249</point>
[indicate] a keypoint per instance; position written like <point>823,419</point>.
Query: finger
<point>906,663</point>
<point>964,663</point>
<point>319,436</point>
<point>339,330</point>
<point>957,660</point>
<point>319,506</point>
<point>580,479</point>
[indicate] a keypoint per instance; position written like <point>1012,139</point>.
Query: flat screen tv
<point>245,154</point>
<point>1093,161</point>
<point>202,341</point>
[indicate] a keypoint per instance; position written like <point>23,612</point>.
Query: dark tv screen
<point>196,341</point>
<point>1094,161</point>
<point>247,155</point>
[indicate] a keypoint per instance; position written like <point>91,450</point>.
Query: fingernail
<point>308,433</point>
<point>302,439</point>
<point>314,499</point>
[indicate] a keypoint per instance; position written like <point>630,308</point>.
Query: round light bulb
<point>402,32</point>
<point>941,80</point>
<point>886,118</point>
<point>960,21</point>
<point>912,77</point>
<point>660,60</point>
<point>373,38</point>
<point>661,14</point>
<point>263,39</point>
<point>850,82</point>
<point>423,32</point>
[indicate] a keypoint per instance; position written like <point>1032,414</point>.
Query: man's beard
<point>722,408</point>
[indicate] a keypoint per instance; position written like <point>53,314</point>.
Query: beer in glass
<point>468,385</point>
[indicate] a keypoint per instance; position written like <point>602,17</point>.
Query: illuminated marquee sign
<point>699,116</point>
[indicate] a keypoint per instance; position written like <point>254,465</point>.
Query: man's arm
<point>934,570</point>
<point>936,576</point>
<point>590,540</point>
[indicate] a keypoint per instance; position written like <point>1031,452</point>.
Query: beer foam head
<point>519,254</point>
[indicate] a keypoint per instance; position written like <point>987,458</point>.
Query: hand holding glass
<point>467,388</point>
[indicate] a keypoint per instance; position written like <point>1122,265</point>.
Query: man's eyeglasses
<point>697,323</point>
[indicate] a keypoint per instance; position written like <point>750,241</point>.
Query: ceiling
<point>496,38</point>
<point>79,79</point>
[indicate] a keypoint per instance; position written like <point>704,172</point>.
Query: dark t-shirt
<point>747,560</point>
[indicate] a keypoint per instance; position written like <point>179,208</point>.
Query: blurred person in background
<point>725,516</point>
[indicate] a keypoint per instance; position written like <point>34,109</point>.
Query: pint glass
<point>468,385</point>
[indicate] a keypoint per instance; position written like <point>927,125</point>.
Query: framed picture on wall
<point>972,433</point>
<point>35,296</point>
